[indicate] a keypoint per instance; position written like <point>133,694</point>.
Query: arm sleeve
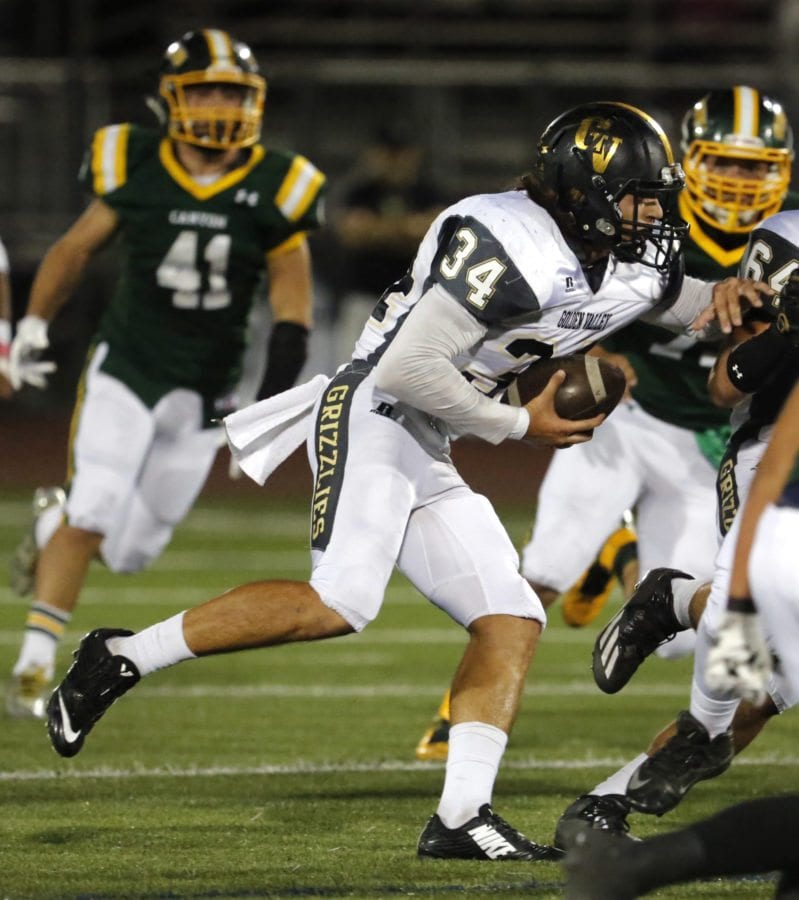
<point>695,295</point>
<point>418,369</point>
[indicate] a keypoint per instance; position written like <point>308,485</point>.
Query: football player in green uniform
<point>660,450</point>
<point>202,210</point>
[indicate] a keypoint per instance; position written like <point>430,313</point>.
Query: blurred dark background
<point>477,80</point>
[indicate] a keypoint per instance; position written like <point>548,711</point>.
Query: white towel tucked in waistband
<point>264,434</point>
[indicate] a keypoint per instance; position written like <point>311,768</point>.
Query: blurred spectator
<point>382,217</point>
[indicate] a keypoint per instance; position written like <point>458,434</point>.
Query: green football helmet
<point>211,56</point>
<point>738,148</point>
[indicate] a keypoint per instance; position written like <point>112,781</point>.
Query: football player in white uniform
<point>763,584</point>
<point>762,614</point>
<point>660,451</point>
<point>753,375</point>
<point>587,243</point>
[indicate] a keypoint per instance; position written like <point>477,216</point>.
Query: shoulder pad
<point>299,189</point>
<point>114,152</point>
<point>105,168</point>
<point>473,265</point>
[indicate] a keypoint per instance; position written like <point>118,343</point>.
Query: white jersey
<point>771,256</point>
<point>503,257</point>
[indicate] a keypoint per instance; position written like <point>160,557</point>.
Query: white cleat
<point>22,568</point>
<point>27,693</point>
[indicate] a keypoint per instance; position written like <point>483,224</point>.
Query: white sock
<point>47,524</point>
<point>683,590</point>
<point>475,751</point>
<point>714,710</point>
<point>715,714</point>
<point>617,783</point>
<point>681,645</point>
<point>157,647</point>
<point>44,628</point>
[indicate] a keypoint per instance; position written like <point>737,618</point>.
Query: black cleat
<point>486,836</point>
<point>598,866</point>
<point>645,622</point>
<point>94,681</point>
<point>661,781</point>
<point>606,812</point>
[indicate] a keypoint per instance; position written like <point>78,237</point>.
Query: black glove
<point>788,316</point>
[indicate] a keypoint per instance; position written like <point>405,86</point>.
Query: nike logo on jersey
<point>70,736</point>
<point>490,841</point>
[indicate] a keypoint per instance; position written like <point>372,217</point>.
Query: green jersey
<point>193,255</point>
<point>673,369</point>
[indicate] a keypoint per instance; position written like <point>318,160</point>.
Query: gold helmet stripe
<point>299,188</point>
<point>220,47</point>
<point>746,118</point>
<point>109,158</point>
<point>653,123</point>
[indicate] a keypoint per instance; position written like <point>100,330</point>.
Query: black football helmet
<point>211,56</point>
<point>595,154</point>
<point>728,126</point>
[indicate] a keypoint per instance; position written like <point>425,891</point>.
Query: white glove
<point>24,365</point>
<point>739,662</point>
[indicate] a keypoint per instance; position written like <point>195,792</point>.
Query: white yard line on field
<point>309,768</point>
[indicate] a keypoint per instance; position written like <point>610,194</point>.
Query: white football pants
<point>135,471</point>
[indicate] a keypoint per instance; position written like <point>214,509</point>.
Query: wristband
<point>741,605</point>
<point>288,349</point>
<point>751,363</point>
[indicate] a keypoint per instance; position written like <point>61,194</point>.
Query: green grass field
<point>290,771</point>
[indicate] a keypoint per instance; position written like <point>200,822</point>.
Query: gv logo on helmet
<point>593,135</point>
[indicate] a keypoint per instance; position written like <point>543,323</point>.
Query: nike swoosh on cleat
<point>70,736</point>
<point>125,672</point>
<point>636,781</point>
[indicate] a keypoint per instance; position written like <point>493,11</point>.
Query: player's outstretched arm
<point>56,279</point>
<point>291,300</point>
<point>730,299</point>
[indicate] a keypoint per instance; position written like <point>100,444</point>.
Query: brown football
<point>592,385</point>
